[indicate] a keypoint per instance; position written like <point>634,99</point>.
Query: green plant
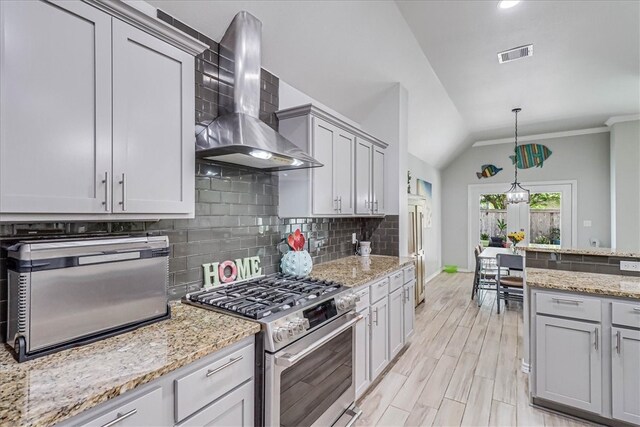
<point>542,240</point>
<point>554,233</point>
<point>502,226</point>
<point>484,236</point>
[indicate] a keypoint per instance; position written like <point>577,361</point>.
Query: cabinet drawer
<point>363,294</point>
<point>396,280</point>
<point>143,411</point>
<point>201,387</point>
<point>573,306</point>
<point>626,314</point>
<point>379,290</point>
<point>409,274</point>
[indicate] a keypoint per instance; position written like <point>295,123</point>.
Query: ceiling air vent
<point>515,53</point>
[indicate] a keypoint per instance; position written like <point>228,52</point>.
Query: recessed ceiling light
<point>507,4</point>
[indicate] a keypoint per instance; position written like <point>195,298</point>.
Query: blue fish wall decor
<point>530,155</point>
<point>487,171</point>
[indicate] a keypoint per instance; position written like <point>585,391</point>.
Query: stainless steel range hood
<point>238,136</point>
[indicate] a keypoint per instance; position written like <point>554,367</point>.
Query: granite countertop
<point>589,283</point>
<point>50,389</point>
<point>581,251</point>
<point>354,270</point>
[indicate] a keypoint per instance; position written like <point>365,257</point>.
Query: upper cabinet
<point>97,116</point>
<point>351,182</point>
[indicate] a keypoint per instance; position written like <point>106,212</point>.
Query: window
<point>544,218</point>
<point>493,216</point>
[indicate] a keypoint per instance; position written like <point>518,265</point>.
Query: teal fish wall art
<point>530,155</point>
<point>487,171</point>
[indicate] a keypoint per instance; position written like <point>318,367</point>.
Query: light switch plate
<point>586,223</point>
<point>630,265</point>
<point>353,239</point>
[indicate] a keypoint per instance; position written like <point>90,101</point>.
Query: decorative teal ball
<point>297,263</point>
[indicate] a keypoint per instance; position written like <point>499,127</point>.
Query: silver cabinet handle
<point>335,201</point>
<point>366,204</point>
<point>376,202</point>
<point>121,417</point>
<point>226,365</point>
<point>123,202</point>
<point>596,341</point>
<point>618,349</point>
<point>375,318</point>
<point>340,204</point>
<point>106,191</point>
<point>636,308</point>
<point>567,300</point>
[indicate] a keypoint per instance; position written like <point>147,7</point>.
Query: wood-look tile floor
<point>462,367</point>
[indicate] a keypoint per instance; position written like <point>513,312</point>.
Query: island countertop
<point>53,388</point>
<point>354,270</point>
<point>588,283</point>
<point>581,251</point>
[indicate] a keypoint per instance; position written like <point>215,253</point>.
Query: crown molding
<point>542,136</point>
<point>619,119</point>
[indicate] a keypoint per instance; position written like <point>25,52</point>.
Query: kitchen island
<point>57,387</point>
<point>584,341</point>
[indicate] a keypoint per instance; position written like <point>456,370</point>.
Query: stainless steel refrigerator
<point>416,242</point>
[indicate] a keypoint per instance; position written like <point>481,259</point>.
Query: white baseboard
<point>433,276</point>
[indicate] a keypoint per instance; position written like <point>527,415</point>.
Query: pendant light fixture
<point>516,194</point>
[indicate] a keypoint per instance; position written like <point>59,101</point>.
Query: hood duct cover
<point>238,136</point>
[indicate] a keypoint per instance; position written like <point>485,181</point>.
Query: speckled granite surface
<point>581,251</point>
<point>589,283</point>
<point>53,388</point>
<point>355,270</point>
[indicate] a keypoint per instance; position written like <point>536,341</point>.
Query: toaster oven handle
<point>288,359</point>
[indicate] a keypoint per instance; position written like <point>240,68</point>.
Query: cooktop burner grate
<point>264,296</point>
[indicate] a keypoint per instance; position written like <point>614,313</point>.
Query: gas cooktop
<point>264,296</point>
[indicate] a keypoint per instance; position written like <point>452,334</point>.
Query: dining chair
<point>509,286</point>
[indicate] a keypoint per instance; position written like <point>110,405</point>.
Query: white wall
<point>433,235</point>
<point>583,158</point>
<point>625,185</point>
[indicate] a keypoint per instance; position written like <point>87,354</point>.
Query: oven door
<point>311,381</point>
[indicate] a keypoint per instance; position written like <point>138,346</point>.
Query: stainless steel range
<point>306,346</point>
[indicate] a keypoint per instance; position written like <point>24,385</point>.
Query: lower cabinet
<point>142,411</point>
<point>363,353</point>
<point>625,380</point>
<point>379,337</point>
<point>409,311</point>
<point>569,362</point>
<point>235,409</point>
<point>396,322</point>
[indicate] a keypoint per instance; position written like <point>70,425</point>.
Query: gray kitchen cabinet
<point>55,76</point>
<point>568,364</point>
<point>409,310</point>
<point>343,186</point>
<point>106,131</point>
<point>233,410</point>
<point>332,184</point>
<point>625,379</point>
<point>396,327</point>
<point>362,353</point>
<point>378,179</point>
<point>379,337</point>
<point>140,412</point>
<point>153,150</point>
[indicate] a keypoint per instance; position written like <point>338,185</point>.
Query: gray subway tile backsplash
<point>601,264</point>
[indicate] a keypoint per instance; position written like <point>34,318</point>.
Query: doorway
<point>550,218</point>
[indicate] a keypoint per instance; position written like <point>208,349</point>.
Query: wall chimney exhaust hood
<point>237,135</point>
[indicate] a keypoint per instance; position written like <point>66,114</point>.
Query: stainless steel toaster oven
<point>65,293</point>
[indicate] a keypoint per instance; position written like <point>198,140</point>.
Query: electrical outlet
<point>354,240</point>
<point>630,265</point>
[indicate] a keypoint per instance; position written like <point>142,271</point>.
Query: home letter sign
<point>217,273</point>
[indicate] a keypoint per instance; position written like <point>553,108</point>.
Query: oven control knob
<point>341,303</point>
<point>292,328</point>
<point>279,334</point>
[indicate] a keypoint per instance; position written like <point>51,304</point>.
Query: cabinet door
<point>379,179</point>
<point>55,138</point>
<point>379,337</point>
<point>625,367</point>
<point>568,362</point>
<point>362,353</point>
<point>343,160</point>
<point>234,409</point>
<point>364,154</point>
<point>153,124</point>
<point>409,309</point>
<point>396,329</point>
<point>324,137</point>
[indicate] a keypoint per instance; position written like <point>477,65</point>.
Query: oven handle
<point>287,360</point>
